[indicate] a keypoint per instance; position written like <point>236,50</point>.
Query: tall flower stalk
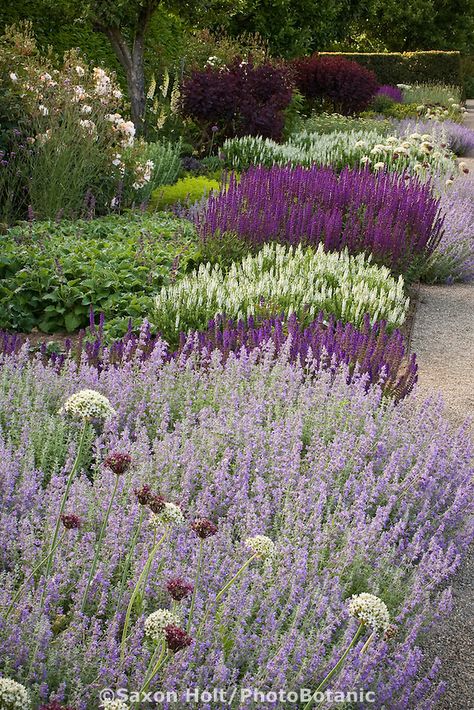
<point>118,463</point>
<point>371,612</point>
<point>170,514</point>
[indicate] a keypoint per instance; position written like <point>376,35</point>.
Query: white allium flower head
<point>114,705</point>
<point>156,623</point>
<point>88,404</point>
<point>261,545</point>
<point>13,695</point>
<point>170,515</point>
<point>370,610</point>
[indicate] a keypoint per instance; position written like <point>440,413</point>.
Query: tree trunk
<point>133,65</point>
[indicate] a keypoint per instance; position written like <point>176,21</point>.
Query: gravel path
<point>443,338</point>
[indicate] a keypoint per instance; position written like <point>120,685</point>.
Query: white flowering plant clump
<point>370,610</point>
<point>156,623</point>
<point>287,280</point>
<point>423,155</point>
<point>261,546</point>
<point>13,695</point>
<point>88,405</point>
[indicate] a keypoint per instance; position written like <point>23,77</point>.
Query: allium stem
<point>160,663</point>
<point>196,582</point>
<point>152,665</point>
<point>236,575</point>
<point>224,590</point>
<point>54,539</point>
<point>32,574</point>
<point>140,582</point>
<point>93,566</point>
<point>337,667</point>
<point>128,559</point>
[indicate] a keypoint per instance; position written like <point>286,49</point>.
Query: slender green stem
<point>32,574</point>
<point>223,591</point>
<point>140,582</point>
<point>63,504</point>
<point>153,663</point>
<point>367,643</point>
<point>236,575</point>
<point>128,559</point>
<point>54,539</point>
<point>336,668</point>
<point>99,545</point>
<point>161,662</point>
<point>196,583</point>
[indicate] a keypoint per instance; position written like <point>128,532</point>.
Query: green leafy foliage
<point>52,274</point>
<point>186,191</point>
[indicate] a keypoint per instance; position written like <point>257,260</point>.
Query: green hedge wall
<point>410,67</point>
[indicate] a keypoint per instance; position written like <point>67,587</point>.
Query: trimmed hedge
<point>409,67</point>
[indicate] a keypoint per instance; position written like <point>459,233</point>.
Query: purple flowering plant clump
<point>393,92</point>
<point>391,216</point>
<point>335,492</point>
<point>326,343</point>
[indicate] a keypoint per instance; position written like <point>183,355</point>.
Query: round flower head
<point>261,545</point>
<point>118,462</point>
<point>13,695</point>
<point>143,494</point>
<point>114,705</point>
<point>71,522</point>
<point>176,638</point>
<point>171,514</point>
<point>87,405</point>
<point>204,528</point>
<point>178,588</point>
<point>156,623</point>
<point>156,503</point>
<point>370,610</point>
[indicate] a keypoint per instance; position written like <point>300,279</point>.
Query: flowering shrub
<point>71,137</point>
<point>356,498</point>
<point>280,280</point>
<point>386,215</point>
<point>346,86</point>
<point>240,99</point>
<point>423,156</point>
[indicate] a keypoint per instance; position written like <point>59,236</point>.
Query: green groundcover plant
<point>281,280</point>
<point>52,274</point>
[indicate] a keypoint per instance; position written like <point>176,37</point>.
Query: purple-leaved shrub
<point>351,496</point>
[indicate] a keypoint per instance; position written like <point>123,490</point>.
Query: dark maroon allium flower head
<point>390,632</point>
<point>71,522</point>
<point>143,494</point>
<point>176,638</point>
<point>178,588</point>
<point>156,503</point>
<point>118,462</point>
<point>54,705</point>
<point>204,528</point>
